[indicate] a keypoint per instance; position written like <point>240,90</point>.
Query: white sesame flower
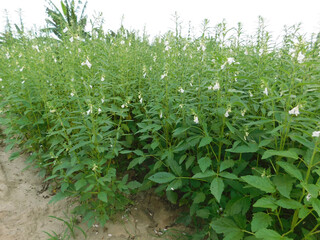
<point>2,86</point>
<point>300,57</point>
<point>89,111</point>
<point>122,42</point>
<point>163,75</point>
<point>316,134</point>
<point>36,47</point>
<point>294,111</point>
<point>216,86</point>
<point>250,94</point>
<point>102,79</point>
<point>167,48</point>
<point>184,47</point>
<point>243,112</point>
<point>0,79</point>
<point>72,79</point>
<point>196,119</point>
<point>265,91</point>
<point>160,114</point>
<point>7,55</point>
<point>72,94</point>
<point>181,105</point>
<point>23,82</point>
<point>227,113</point>
<point>99,110</point>
<point>190,84</point>
<point>230,60</point>
<point>223,66</point>
<point>122,106</point>
<point>308,197</point>
<point>210,87</point>
<point>65,30</point>
<point>246,52</point>
<point>181,90</point>
<point>102,100</point>
<point>141,99</point>
<point>260,51</point>
<point>71,39</point>
<point>172,189</point>
<point>90,86</point>
<point>86,63</point>
<point>21,69</point>
<point>94,168</point>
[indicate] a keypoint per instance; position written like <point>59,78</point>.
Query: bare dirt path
<point>24,211</point>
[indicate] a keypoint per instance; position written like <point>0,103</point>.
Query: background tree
<point>71,18</point>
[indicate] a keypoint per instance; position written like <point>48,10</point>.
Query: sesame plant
<point>225,125</point>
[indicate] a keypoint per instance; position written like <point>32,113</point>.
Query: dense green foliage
<point>225,125</point>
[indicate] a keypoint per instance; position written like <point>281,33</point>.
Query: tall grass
<point>223,124</point>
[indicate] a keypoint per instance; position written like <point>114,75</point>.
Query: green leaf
<point>173,164</point>
<point>208,173</point>
<point>291,169</point>
<point>172,196</point>
<point>284,184</point>
<point>226,164</point>
<point>175,184</point>
<point>205,141</point>
<point>262,183</point>
<point>14,155</point>
<point>103,196</point>
<point>199,198</point>
<point>316,205</point>
<point>302,140</point>
<point>228,227</point>
<point>288,203</point>
<point>179,130</point>
<point>204,163</point>
<point>228,175</point>
<point>59,196</point>
<point>216,188</point>
<point>288,154</point>
<point>267,234</point>
<point>134,184</point>
<point>79,145</point>
<point>203,213</point>
<point>250,148</point>
<point>266,202</point>
<point>80,183</point>
<point>260,220</point>
<point>162,177</point>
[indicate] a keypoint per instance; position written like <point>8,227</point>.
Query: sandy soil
<point>24,210</point>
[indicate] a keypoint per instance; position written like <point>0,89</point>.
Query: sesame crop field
<point>208,137</point>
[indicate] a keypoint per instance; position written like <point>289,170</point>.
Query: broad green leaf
<point>228,227</point>
<point>283,184</point>
<point>162,177</point>
<point>204,163</point>
<point>302,140</point>
<point>133,184</point>
<point>175,184</point>
<point>312,189</point>
<point>316,205</point>
<point>203,213</point>
<point>103,196</point>
<point>291,169</point>
<point>267,234</point>
<point>288,154</point>
<point>59,196</point>
<point>80,183</point>
<point>172,196</point>
<point>173,164</point>
<point>237,206</point>
<point>288,203</point>
<point>226,164</point>
<point>14,155</point>
<point>262,183</point>
<point>216,188</point>
<point>205,141</point>
<point>179,130</point>
<point>228,175</point>
<point>260,220</point>
<point>266,202</point>
<point>250,148</point>
<point>79,145</point>
<point>208,173</point>
<point>200,197</point>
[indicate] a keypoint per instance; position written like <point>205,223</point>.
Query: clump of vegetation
<point>223,124</point>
